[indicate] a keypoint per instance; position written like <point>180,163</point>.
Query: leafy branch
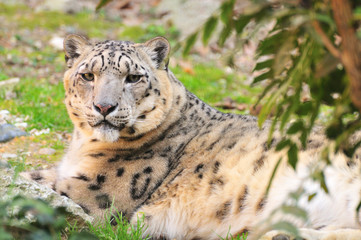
<point>302,51</point>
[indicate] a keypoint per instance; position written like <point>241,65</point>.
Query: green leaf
<point>358,209</point>
<point>264,11</point>
<point>286,226</point>
<point>303,137</point>
<point>323,182</point>
<point>82,236</point>
<point>357,14</point>
<point>101,4</point>
<point>266,109</point>
<point>295,211</point>
<point>295,127</point>
<point>310,197</point>
<point>189,43</point>
<point>267,89</point>
<point>293,155</point>
<point>263,76</point>
<point>282,56</point>
<point>326,18</point>
<point>291,106</point>
<point>272,43</point>
<point>349,151</point>
<point>279,111</point>
<point>265,64</point>
<point>334,130</point>
<point>4,235</point>
<point>273,175</point>
<point>209,28</point>
<point>226,11</point>
<point>39,235</point>
<point>226,31</point>
<point>241,22</point>
<point>304,108</point>
<point>282,144</point>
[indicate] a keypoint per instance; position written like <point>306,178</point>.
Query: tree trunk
<point>350,47</point>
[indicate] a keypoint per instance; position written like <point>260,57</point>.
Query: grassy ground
<point>25,52</point>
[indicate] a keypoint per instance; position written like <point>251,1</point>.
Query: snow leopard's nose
<point>104,108</point>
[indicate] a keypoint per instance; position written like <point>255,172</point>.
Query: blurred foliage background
<point>31,92</point>
<point>312,48</point>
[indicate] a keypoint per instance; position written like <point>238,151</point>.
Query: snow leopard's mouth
<point>106,125</point>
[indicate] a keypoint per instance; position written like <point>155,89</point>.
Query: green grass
<point>42,102</point>
<point>93,24</point>
<point>3,76</point>
<point>18,165</point>
<point>123,230</point>
<point>212,84</point>
<point>238,237</point>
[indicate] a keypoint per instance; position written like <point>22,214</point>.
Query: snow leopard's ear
<point>158,49</point>
<point>74,46</point>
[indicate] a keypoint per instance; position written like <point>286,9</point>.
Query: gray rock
<point>47,151</point>
<point>31,189</point>
<point>8,155</point>
<point>8,132</point>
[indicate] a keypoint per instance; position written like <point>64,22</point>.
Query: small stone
<point>4,114</point>
<point>4,164</point>
<point>8,132</point>
<point>35,132</point>
<point>57,43</point>
<point>8,155</point>
<point>47,151</point>
<point>22,125</point>
<point>18,120</point>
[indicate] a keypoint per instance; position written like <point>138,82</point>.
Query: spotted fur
<point>145,144</point>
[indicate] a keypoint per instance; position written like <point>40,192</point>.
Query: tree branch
<point>350,47</point>
<point>326,41</point>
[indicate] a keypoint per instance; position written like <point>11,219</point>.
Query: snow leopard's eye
<point>133,78</point>
<point>87,76</point>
